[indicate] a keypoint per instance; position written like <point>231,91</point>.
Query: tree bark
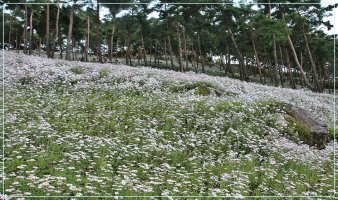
<point>117,46</point>
<point>193,59</point>
<point>70,29</point>
<point>10,33</point>
<point>30,32</point>
<point>126,51</point>
<point>16,40</point>
<point>112,44</point>
<point>19,45</point>
<point>185,50</point>
<point>156,53</point>
<point>200,56</point>
<point>144,51</point>
<point>228,64</point>
<point>47,30</point>
<point>151,44</point>
<point>179,45</point>
<point>74,47</point>
<point>239,54</point>
<point>165,53</point>
<point>39,46</point>
<point>296,59</point>
<point>256,56</point>
<point>61,46</point>
<point>313,64</point>
<point>171,53</point>
<point>87,39</point>
<point>25,31</point>
<point>297,62</point>
<point>56,28</point>
<point>282,67</point>
<point>292,82</point>
<point>129,52</point>
<point>276,79</point>
<point>99,32</point>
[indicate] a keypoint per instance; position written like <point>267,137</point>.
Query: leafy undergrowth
<point>117,130</point>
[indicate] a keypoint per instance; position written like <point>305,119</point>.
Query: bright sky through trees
<point>324,2</point>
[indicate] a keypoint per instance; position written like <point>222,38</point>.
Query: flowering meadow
<point>88,129</point>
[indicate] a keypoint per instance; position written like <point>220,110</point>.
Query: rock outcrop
<point>317,131</point>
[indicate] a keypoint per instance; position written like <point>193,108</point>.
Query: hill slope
<point>76,128</point>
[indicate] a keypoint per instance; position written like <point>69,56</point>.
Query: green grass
<point>77,70</point>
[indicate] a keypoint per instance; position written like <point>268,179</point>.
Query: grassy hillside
<point>87,129</point>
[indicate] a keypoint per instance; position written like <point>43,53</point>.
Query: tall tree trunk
<point>292,82</point>
<point>258,63</point>
<point>74,49</point>
<point>239,54</point>
<point>228,64</point>
<point>70,29</point>
<point>194,53</point>
<point>165,53</point>
<point>276,79</point>
<point>128,52</point>
<point>99,32</point>
<point>185,50</point>
<point>61,45</point>
<point>10,33</point>
<point>87,39</point>
<point>144,51</point>
<point>47,30</point>
<point>282,66</point>
<point>328,80</point>
<point>171,53</point>
<point>117,47</point>
<point>200,56</point>
<point>198,53</point>
<point>128,56</point>
<point>56,28</point>
<point>25,30</point>
<point>156,53</point>
<point>151,44</point>
<point>16,40</point>
<point>30,32</point>
<point>19,45</point>
<point>112,44</point>
<point>39,46</point>
<point>296,59</point>
<point>179,45</point>
<point>297,62</point>
<point>313,64</point>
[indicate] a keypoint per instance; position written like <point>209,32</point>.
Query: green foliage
<point>77,70</point>
<point>332,134</point>
<point>26,80</point>
<point>296,127</point>
<point>103,73</point>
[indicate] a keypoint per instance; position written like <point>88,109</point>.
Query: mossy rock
<point>205,90</point>
<point>77,70</point>
<point>200,87</point>
<point>297,127</point>
<point>312,131</point>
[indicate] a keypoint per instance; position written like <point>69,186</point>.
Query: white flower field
<point>89,129</point>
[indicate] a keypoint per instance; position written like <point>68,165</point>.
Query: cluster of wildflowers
<point>76,128</point>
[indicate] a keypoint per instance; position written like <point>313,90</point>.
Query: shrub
<point>77,70</point>
<point>26,80</point>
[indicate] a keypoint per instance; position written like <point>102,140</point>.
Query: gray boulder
<point>317,130</point>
